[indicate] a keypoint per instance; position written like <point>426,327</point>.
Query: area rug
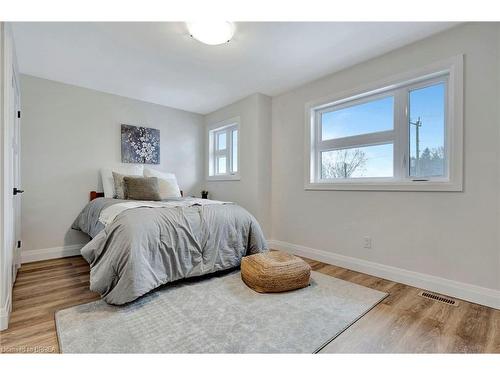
<point>218,315</point>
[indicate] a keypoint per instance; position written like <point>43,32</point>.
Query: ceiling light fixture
<point>212,33</point>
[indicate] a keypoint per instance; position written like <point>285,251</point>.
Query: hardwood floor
<point>403,323</point>
<point>40,290</point>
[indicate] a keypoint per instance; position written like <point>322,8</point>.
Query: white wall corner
<point>50,253</point>
<point>468,292</point>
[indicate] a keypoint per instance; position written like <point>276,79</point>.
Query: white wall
<point>69,132</point>
<point>253,190</point>
<point>449,235</point>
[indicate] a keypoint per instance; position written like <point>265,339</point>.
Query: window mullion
<point>401,156</point>
<point>405,134</point>
<point>317,144</point>
<point>357,141</point>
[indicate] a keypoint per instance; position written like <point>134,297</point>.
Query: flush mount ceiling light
<point>211,32</point>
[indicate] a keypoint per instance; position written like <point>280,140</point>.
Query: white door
<point>16,169</point>
<point>10,141</point>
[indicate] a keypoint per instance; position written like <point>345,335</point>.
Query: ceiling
<point>160,63</point>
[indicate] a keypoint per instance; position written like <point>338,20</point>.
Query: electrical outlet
<point>367,242</point>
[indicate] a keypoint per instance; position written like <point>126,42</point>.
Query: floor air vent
<point>437,297</point>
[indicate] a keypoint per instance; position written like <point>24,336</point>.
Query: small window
<point>223,151</point>
<point>399,137</point>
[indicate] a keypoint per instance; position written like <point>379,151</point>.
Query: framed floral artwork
<point>140,145</point>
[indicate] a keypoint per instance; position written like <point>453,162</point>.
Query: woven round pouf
<point>274,271</point>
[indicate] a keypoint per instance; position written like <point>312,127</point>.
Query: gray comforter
<point>145,247</point>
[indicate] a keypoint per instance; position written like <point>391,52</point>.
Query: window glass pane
<point>427,113</point>
<point>369,161</point>
<point>371,117</point>
<point>221,164</point>
<point>235,150</point>
<point>221,141</point>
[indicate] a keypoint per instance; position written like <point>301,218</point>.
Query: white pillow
<point>108,184</point>
<point>167,182</point>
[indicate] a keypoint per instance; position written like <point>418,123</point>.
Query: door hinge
<point>18,114</point>
<point>19,244</point>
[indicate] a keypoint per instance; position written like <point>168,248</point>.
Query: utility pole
<point>418,125</point>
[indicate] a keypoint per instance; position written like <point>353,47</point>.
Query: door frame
<point>8,68</point>
<point>16,165</point>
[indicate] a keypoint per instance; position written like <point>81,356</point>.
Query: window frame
<point>227,127</point>
<point>451,72</point>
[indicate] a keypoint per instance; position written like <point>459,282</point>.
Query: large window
<point>223,150</point>
<point>406,135</point>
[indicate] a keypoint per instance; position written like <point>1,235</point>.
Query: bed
<point>137,246</point>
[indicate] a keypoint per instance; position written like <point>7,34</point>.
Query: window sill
<point>388,186</point>
<point>235,177</point>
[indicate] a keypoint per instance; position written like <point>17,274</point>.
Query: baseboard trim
<point>469,292</point>
<point>50,253</point>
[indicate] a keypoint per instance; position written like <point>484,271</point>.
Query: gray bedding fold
<point>145,247</point>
